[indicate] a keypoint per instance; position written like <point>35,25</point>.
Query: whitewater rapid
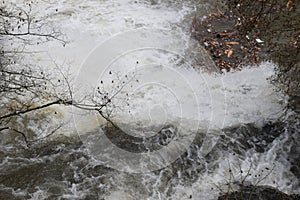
<point>147,38</point>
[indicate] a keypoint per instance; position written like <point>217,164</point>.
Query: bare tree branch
<point>36,108</point>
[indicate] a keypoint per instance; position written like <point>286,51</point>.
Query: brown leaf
<point>229,53</point>
<point>247,56</point>
<point>227,33</point>
<point>232,43</point>
<point>290,5</point>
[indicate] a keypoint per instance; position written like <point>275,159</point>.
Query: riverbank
<point>248,32</point>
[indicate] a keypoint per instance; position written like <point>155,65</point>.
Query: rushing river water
<point>228,128</point>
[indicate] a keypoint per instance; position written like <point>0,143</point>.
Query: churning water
<point>218,129</point>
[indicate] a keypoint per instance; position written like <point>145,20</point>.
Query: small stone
<point>259,40</point>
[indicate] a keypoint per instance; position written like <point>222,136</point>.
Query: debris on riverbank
<point>259,193</point>
<point>217,33</point>
<point>242,32</point>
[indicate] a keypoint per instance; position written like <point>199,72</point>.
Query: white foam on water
<point>214,101</point>
<point>180,94</point>
<point>39,194</point>
<point>89,23</point>
<point>120,195</point>
<point>259,169</point>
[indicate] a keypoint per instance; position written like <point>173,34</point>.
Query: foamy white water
<point>168,91</point>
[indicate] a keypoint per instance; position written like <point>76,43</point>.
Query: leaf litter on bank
<point>232,36</point>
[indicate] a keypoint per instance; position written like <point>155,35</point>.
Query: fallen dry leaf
<point>247,56</point>
<point>229,53</point>
<point>231,43</point>
<point>290,5</point>
<point>240,68</point>
<point>227,34</point>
